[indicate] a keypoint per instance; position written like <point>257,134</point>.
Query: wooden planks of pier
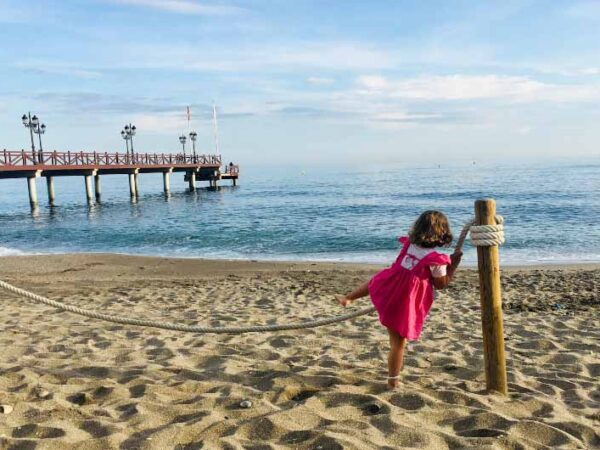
<point>91,165</point>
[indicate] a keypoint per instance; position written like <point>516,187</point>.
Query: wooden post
<point>32,192</point>
<point>98,187</point>
<point>491,303</point>
<point>88,188</point>
<point>50,186</point>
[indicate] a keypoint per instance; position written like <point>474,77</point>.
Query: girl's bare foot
<point>344,301</point>
<point>393,382</point>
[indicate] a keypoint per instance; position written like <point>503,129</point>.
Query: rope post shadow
<point>491,303</point>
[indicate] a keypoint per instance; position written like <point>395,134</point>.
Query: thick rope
<point>481,235</point>
<point>463,236</point>
<point>181,327</point>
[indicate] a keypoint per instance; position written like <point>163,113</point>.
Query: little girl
<point>403,293</point>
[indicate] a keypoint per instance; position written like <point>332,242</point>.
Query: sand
<point>77,383</point>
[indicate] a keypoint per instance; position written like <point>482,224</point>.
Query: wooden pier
<point>90,166</point>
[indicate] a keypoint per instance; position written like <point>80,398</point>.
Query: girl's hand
<point>344,301</point>
<point>456,258</point>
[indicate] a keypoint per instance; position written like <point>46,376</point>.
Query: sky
<point>307,83</point>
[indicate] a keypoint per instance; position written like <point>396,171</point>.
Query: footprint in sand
<point>32,430</point>
<point>410,402</point>
<point>542,434</point>
<point>97,429</point>
<point>79,399</point>
<point>298,437</point>
<point>482,425</point>
<point>303,395</point>
<point>127,411</point>
<point>137,391</point>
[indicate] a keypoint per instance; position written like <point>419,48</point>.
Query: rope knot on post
<point>488,235</point>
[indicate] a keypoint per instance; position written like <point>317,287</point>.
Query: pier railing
<point>54,158</point>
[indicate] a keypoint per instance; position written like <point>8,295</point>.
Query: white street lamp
<point>182,139</point>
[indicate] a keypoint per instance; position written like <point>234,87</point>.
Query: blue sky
<point>308,82</point>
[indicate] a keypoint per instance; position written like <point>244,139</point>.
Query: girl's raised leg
<point>359,292</point>
<point>395,358</point>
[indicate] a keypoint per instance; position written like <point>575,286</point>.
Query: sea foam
<point>5,251</point>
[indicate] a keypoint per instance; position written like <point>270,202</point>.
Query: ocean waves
<point>551,215</point>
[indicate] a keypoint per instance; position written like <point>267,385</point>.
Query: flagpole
<point>216,129</point>
<point>189,116</point>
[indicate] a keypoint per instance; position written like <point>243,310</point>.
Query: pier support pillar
<point>167,182</point>
<point>137,186</point>
<point>215,180</point>
<point>33,201</point>
<point>132,186</point>
<point>192,181</point>
<point>88,188</point>
<point>50,186</point>
<point>235,181</point>
<point>98,187</point>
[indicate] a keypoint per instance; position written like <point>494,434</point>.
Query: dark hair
<point>431,230</point>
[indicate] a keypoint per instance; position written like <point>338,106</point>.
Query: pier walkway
<point>91,165</point>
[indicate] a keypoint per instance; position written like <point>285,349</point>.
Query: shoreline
<point>209,266</point>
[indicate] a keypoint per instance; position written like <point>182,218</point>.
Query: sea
<point>551,211</point>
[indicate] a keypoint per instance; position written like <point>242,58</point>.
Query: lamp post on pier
<point>193,137</point>
<point>39,130</point>
<point>125,136</point>
<point>31,123</point>
<point>182,139</point>
<point>128,133</point>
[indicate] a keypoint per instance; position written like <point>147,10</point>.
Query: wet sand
<point>78,383</point>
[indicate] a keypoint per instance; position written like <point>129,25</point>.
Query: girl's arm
<point>361,291</point>
<point>443,282</point>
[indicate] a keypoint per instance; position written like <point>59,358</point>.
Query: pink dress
<point>403,296</point>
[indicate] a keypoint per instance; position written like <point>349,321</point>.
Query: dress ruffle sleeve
<point>436,259</point>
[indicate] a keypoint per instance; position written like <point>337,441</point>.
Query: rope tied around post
<point>482,235</point>
<point>488,235</point>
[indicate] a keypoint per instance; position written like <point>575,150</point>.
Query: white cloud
<point>319,81</point>
<point>181,56</point>
<point>169,122</point>
<point>373,82</point>
<point>404,116</point>
<point>591,71</point>
<point>475,87</point>
<point>335,55</point>
<point>56,68</point>
<point>161,123</point>
<point>184,7</point>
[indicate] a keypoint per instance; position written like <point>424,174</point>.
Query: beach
<point>79,383</point>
